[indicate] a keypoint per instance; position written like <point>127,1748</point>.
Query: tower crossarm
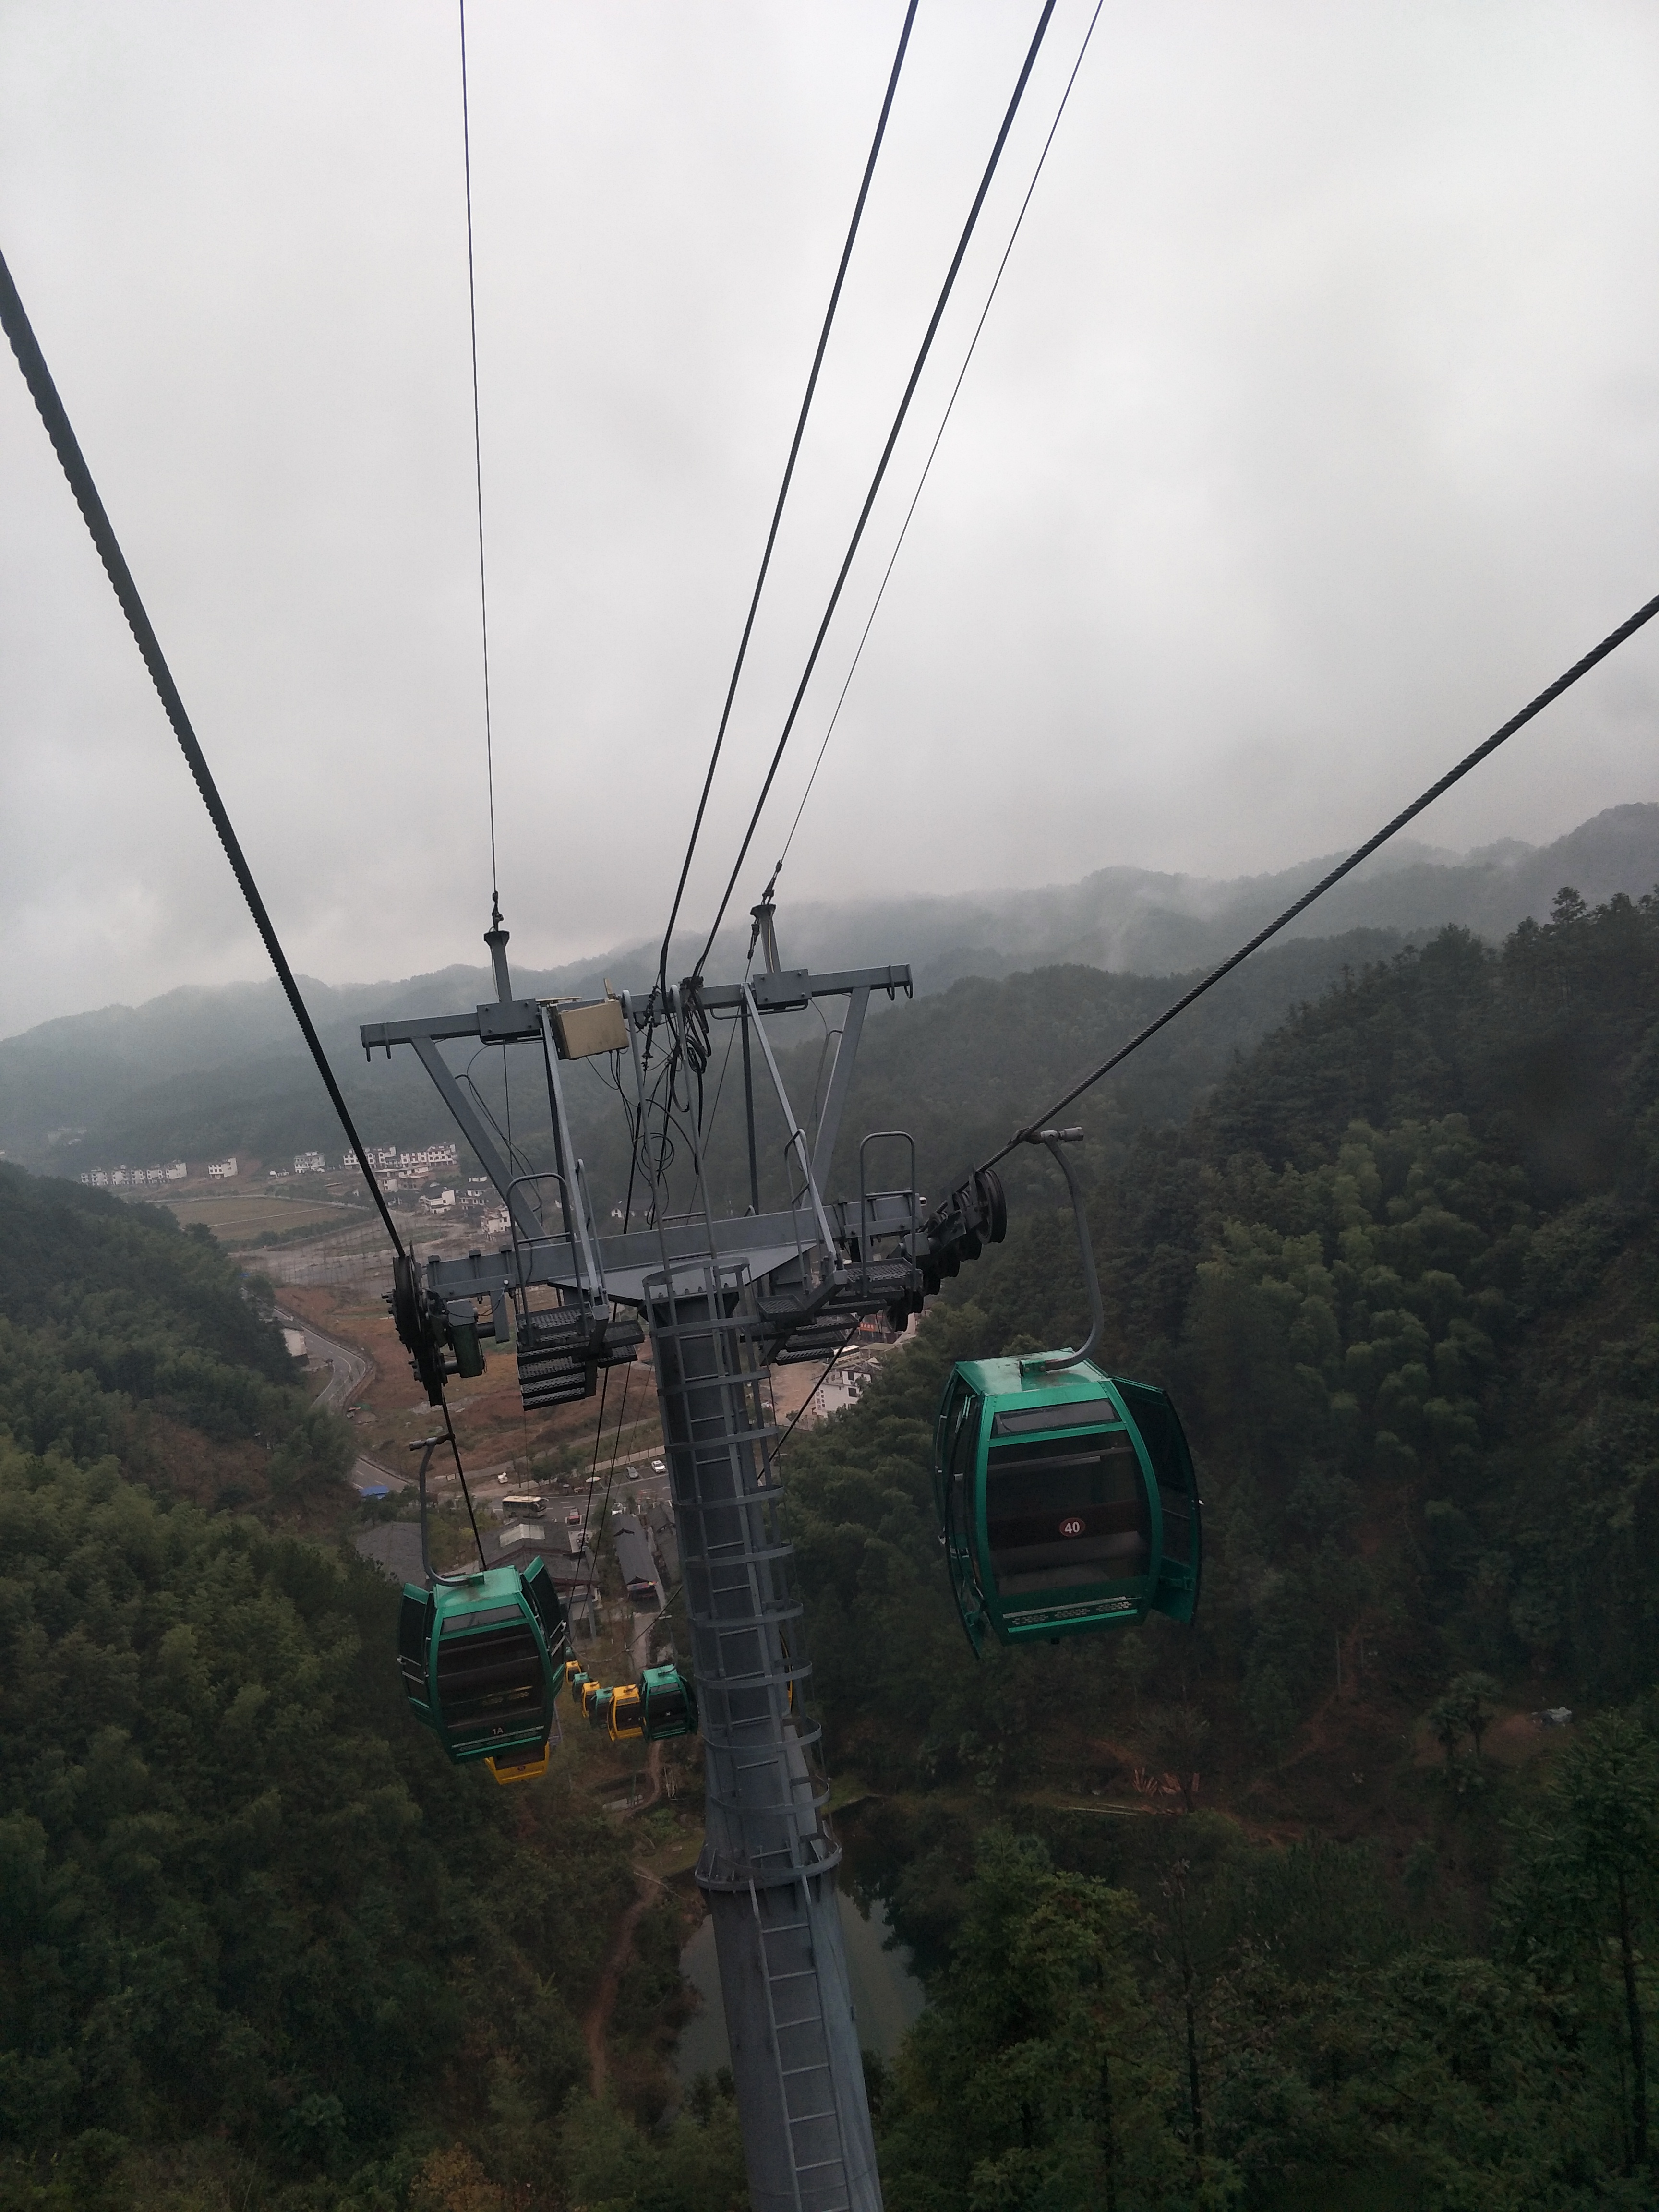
<point>768,1244</point>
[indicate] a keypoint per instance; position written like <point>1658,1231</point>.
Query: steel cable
<point>934,321</point>
<point>477,478</point>
<point>932,451</point>
<point>38,377</point>
<point>783,488</point>
<point>1565,682</point>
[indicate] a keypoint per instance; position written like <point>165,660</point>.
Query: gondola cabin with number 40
<point>1067,1501</point>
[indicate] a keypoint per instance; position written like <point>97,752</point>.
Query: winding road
<point>351,1368</point>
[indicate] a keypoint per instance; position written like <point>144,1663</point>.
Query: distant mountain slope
<point>199,1071</point>
<point>1134,920</point>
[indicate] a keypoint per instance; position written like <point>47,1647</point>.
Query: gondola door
<point>1070,1525</point>
<point>1170,1463</point>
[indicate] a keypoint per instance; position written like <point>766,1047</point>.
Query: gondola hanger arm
<point>1051,1362</point>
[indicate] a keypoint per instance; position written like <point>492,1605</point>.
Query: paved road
<point>351,1368</point>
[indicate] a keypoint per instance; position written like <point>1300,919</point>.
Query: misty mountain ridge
<point>194,1055</point>
<point>1138,920</point>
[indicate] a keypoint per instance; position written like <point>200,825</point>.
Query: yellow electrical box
<point>583,1030</point>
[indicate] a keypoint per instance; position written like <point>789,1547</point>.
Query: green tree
<point>239,1895</point>
<point>1588,1888</point>
<point>1035,2078</point>
<point>1476,1695</point>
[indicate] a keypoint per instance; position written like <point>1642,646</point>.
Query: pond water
<point>886,1995</point>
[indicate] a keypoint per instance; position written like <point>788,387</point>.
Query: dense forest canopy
<point>1295,1908</point>
<point>250,1924</point>
<point>120,1332</point>
<point>1400,1272</point>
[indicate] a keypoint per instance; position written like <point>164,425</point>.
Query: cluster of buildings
<point>391,1165</point>
<point>126,1178</point>
<point>853,1370</point>
<point>304,1164</point>
<point>477,1202</point>
<point>642,1537</point>
<point>644,1542</point>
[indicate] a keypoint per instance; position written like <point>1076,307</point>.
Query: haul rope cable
<point>846,1342</point>
<point>783,488</point>
<point>455,1448</point>
<point>483,590</point>
<point>1564,682</point>
<point>37,376</point>
<point>944,422</point>
<point>881,467</point>
<point>66,446</point>
<point>477,478</point>
<point>593,1469</point>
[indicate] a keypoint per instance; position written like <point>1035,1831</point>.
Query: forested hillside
<point>1399,1273</point>
<point>122,1334</point>
<point>258,1944</point>
<point>176,1096</point>
<point>1295,1909</point>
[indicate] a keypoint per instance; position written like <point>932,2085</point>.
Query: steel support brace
<point>796,1134</point>
<point>500,1171</point>
<point>841,1078</point>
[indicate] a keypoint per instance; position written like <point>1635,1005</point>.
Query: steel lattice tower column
<point>769,1860</point>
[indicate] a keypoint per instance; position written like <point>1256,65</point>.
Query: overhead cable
<point>777,1448</point>
<point>1608,644</point>
<point>783,488</point>
<point>921,483</point>
<point>455,1454</point>
<point>477,478</point>
<point>881,466</point>
<point>32,361</point>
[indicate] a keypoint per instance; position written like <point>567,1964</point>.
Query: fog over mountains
<point>1132,920</point>
<point>201,1070</point>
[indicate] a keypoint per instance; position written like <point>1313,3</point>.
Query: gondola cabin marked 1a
<point>1067,1501</point>
<point>482,1659</point>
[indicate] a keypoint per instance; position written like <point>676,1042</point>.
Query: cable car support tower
<point>721,1299</point>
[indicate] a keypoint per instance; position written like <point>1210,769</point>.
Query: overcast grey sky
<point>1316,426</point>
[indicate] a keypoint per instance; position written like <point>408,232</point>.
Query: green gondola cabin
<point>669,1704</point>
<point>596,1704</point>
<point>1067,1501</point>
<point>482,1659</point>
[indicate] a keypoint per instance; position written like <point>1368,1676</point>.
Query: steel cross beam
<point>767,1243</point>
